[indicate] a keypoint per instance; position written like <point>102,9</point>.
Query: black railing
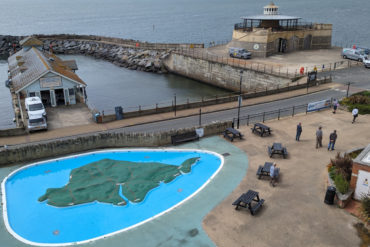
<point>249,27</point>
<point>269,115</point>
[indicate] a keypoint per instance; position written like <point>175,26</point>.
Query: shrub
<point>365,205</point>
<point>343,165</point>
<point>341,183</point>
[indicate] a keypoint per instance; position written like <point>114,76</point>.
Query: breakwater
<point>131,54</point>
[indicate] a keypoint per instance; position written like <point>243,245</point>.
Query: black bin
<point>330,194</point>
<point>119,112</point>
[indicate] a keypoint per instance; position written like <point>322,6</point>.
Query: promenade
<point>71,129</point>
<point>294,213</point>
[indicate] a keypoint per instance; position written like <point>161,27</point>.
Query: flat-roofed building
<point>272,33</point>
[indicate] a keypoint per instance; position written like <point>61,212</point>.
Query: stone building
<point>34,72</point>
<point>360,179</point>
<point>272,33</point>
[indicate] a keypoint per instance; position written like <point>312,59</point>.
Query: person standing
<point>354,114</point>
<point>272,174</point>
<point>299,131</point>
<point>332,138</point>
<point>319,137</point>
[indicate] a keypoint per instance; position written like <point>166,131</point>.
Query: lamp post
<point>240,97</point>
<point>175,105</point>
<point>348,83</point>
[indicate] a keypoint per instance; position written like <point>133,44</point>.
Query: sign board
<point>200,132</point>
<point>318,105</point>
<point>50,82</point>
<point>362,185</point>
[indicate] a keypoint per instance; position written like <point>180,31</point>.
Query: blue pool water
<point>33,222</point>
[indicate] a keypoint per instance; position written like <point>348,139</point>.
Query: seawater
<point>174,20</point>
<point>39,222</point>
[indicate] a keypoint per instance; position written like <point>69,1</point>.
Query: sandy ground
<point>294,213</point>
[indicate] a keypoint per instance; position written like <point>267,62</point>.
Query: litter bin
<point>96,116</point>
<point>119,112</point>
<point>330,194</point>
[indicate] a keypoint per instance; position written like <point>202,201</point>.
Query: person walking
<point>335,106</point>
<point>319,137</point>
<point>332,138</point>
<point>299,131</point>
<point>273,174</point>
<point>354,114</point>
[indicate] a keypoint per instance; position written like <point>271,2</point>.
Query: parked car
<point>239,53</point>
<point>34,107</point>
<point>36,123</point>
<point>354,54</point>
<point>366,50</point>
<point>366,62</point>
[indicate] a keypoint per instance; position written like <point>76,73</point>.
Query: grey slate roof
<point>27,66</point>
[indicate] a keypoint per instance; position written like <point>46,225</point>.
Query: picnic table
<point>261,129</point>
<point>277,148</point>
<point>264,170</point>
<point>246,199</point>
<point>232,133</point>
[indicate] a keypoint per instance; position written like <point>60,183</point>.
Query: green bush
<point>332,172</point>
<point>365,205</point>
<point>343,165</point>
<point>341,183</point>
<point>360,100</point>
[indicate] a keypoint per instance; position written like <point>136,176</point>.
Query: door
<point>52,98</point>
<point>66,96</point>
<point>307,42</point>
<point>362,185</point>
<point>282,45</point>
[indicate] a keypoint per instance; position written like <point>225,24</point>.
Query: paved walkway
<point>294,213</point>
<point>93,127</point>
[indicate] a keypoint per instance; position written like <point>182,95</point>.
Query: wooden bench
<point>264,170</point>
<point>269,150</point>
<point>261,129</point>
<point>234,134</point>
<point>185,137</point>
<point>257,206</point>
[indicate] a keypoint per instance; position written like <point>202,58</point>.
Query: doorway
<point>45,98</point>
<point>59,96</point>
<point>307,42</point>
<point>282,45</point>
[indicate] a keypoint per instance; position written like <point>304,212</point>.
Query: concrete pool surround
<point>57,232</point>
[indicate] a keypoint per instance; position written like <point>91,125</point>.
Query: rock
<point>148,64</point>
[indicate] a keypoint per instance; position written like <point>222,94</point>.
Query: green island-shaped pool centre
<point>101,181</point>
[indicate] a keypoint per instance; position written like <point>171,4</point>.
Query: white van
<point>36,114</point>
<point>354,54</point>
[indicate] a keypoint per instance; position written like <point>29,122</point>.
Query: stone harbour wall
<point>69,145</point>
<point>222,75</point>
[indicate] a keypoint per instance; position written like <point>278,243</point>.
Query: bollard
<point>279,114</point>
<point>293,112</point>
<point>263,118</point>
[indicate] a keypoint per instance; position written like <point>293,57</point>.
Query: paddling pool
<point>38,223</point>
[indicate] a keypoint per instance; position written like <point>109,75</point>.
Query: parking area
<point>67,116</point>
<point>295,60</point>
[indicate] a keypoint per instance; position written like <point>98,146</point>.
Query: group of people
<point>332,138</point>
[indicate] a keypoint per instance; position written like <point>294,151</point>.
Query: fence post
<point>248,120</point>
<point>263,119</point>
<point>279,114</point>
<point>306,109</point>
<point>200,117</point>
<point>293,112</point>
<point>156,107</point>
<point>139,108</point>
<point>264,69</point>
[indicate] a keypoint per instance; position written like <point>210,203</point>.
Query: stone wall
<point>222,75</point>
<point>12,132</point>
<point>54,148</point>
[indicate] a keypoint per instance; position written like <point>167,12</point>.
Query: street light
<point>240,97</point>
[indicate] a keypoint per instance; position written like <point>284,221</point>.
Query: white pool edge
<point>15,235</point>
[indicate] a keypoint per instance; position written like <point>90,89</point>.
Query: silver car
<point>355,54</point>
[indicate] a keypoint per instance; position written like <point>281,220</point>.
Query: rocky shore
<point>121,54</point>
<point>131,58</point>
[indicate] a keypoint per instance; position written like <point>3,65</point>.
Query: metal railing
<point>269,115</point>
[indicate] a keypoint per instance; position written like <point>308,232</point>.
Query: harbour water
<point>167,21</point>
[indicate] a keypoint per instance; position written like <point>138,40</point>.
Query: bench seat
<point>188,136</point>
<point>256,207</point>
